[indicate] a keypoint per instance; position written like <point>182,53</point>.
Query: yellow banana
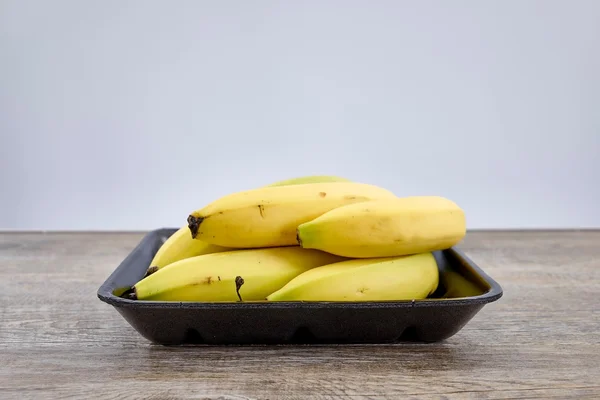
<point>386,228</point>
<point>410,277</point>
<point>181,245</point>
<point>268,217</point>
<point>458,286</point>
<point>229,276</point>
<point>310,179</point>
<point>178,246</point>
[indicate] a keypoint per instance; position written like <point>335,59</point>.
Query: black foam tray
<point>463,291</point>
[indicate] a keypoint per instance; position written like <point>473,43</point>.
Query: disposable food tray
<point>463,291</point>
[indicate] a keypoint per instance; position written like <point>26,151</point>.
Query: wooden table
<point>541,340</point>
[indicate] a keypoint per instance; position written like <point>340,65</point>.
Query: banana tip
<point>298,238</point>
<point>194,224</point>
<point>150,271</point>
<point>130,294</point>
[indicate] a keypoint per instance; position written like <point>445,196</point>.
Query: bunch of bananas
<point>314,238</point>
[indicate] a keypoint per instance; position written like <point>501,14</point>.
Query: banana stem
<point>239,281</point>
<point>194,224</point>
<point>150,271</point>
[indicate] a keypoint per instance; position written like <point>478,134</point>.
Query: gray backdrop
<point>129,114</point>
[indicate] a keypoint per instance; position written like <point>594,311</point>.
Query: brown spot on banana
<point>322,194</point>
<point>261,210</point>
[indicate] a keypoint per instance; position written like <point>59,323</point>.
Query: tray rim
<point>105,293</point>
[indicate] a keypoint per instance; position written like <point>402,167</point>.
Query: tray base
<point>464,289</point>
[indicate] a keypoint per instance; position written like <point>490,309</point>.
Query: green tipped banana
<point>386,227</point>
<point>310,179</point>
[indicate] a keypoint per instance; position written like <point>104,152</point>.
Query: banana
<point>310,179</point>
<point>268,217</point>
<point>178,246</point>
<point>386,228</point>
<point>458,286</point>
<point>410,277</point>
<point>181,245</point>
<point>243,275</point>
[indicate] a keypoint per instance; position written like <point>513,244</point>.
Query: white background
<point>130,114</point>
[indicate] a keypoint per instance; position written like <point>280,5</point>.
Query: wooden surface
<point>541,340</point>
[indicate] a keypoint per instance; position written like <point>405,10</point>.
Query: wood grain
<point>541,340</point>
